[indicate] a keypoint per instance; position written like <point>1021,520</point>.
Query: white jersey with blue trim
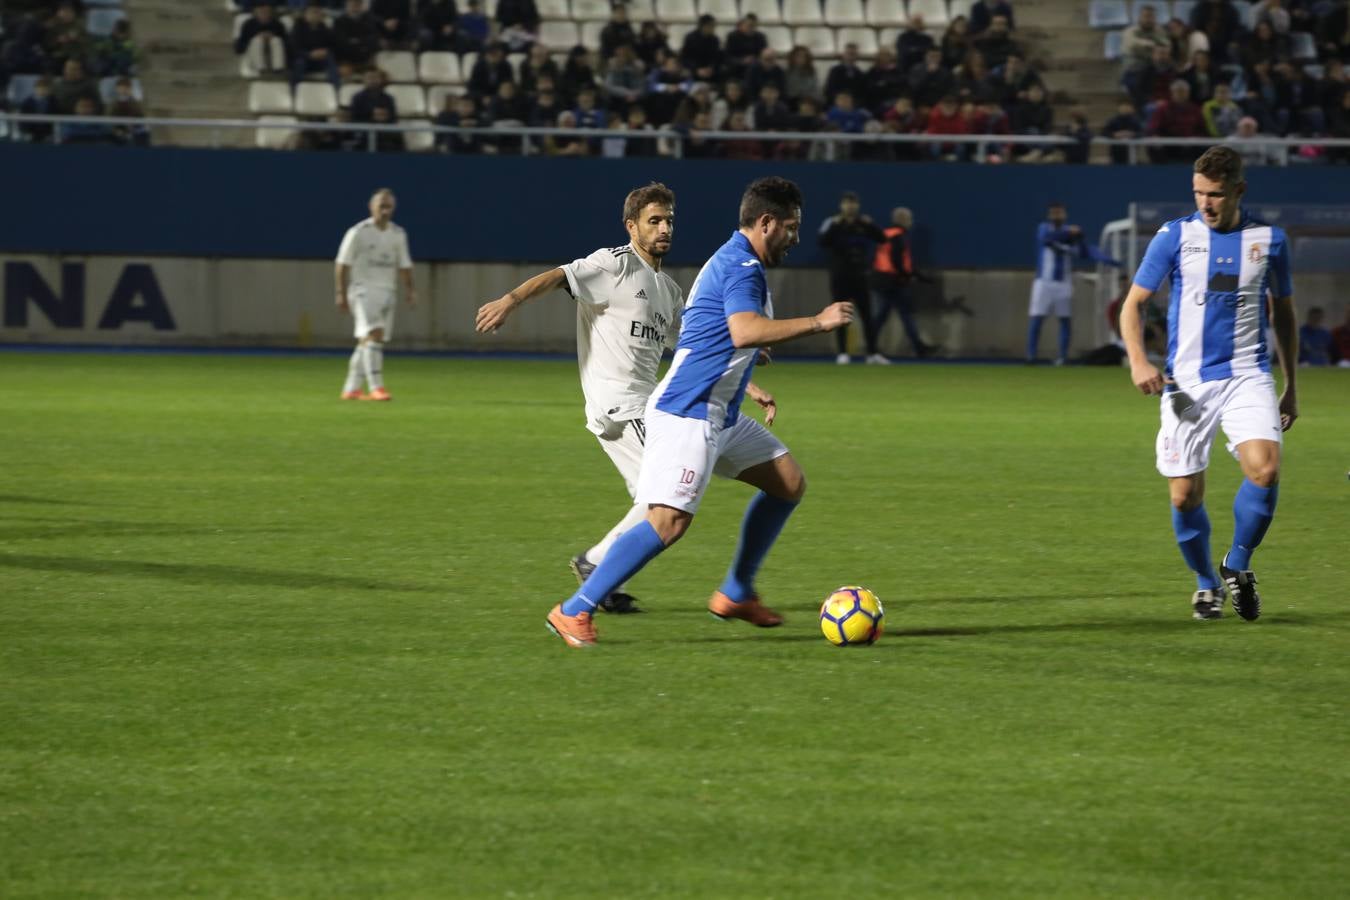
<point>708,377</point>
<point>1216,318</point>
<point>1055,251</point>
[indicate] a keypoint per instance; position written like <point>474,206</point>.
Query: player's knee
<point>1186,496</point>
<point>1265,473</point>
<point>669,523</point>
<point>794,485</point>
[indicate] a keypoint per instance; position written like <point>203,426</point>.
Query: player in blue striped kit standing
<point>1052,292</point>
<point>1223,265</point>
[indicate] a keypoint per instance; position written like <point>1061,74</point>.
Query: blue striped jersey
<point>1055,251</point>
<point>708,376</point>
<point>1216,317</point>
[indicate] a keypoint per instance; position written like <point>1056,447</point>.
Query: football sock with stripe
<point>634,549</point>
<point>1065,332</point>
<point>1034,336</point>
<point>374,357</point>
<point>1192,529</point>
<point>356,371</point>
<point>764,520</point>
<point>1253,510</point>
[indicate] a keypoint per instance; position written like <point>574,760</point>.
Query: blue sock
<point>1253,509</point>
<point>1065,331</point>
<point>1192,530</point>
<point>764,519</point>
<point>634,549</point>
<point>1034,336</point>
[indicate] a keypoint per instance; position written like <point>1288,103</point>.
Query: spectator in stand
<point>912,43</point>
<point>1032,116</point>
<point>617,32</point>
<point>1265,99</point>
<point>1302,95</point>
<point>901,118</point>
<point>577,74</point>
<point>745,46</point>
<point>73,86</point>
<point>473,23</point>
<point>800,79</point>
<point>436,25</point>
<point>1185,40</point>
<point>1315,344</point>
<point>263,38</point>
<point>996,42</point>
<point>568,145</point>
<point>882,83</point>
<point>732,100</point>
<point>546,104</point>
<point>489,72</point>
<point>808,118</point>
<point>588,111</point>
<point>624,83</point>
<point>39,103</point>
<point>643,146</point>
<point>372,97</point>
<point>357,36</point>
<point>930,80</point>
<point>702,51</point>
<point>1220,22</point>
<point>333,139</point>
<point>85,132</point>
<point>1273,12</point>
<point>460,112</point>
<point>1012,83</point>
<point>1338,126</point>
<point>667,88</point>
<point>1176,117</point>
<point>394,20</point>
<point>387,141</point>
<point>117,54</point>
<point>1124,125</point>
<point>314,47</point>
<point>1263,44</point>
<point>509,105</point>
<point>766,70</point>
<point>539,64</point>
<point>770,113</point>
<point>984,12</point>
<point>651,43</point>
<point>1200,76</point>
<point>850,239</point>
<point>696,145</point>
<point>126,106</point>
<point>65,37</point>
<point>1248,143</point>
<point>1138,41</point>
<point>699,99</point>
<point>742,148</point>
<point>956,43</point>
<point>521,13</point>
<point>1334,84</point>
<point>1152,83</point>
<point>845,75</point>
<point>1077,153</point>
<point>946,118</point>
<point>1221,112</point>
<point>1340,337</point>
<point>973,77</point>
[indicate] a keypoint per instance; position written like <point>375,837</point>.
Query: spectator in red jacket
<point>946,118</point>
<point>1178,117</point>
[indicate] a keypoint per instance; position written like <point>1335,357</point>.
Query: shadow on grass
<point>811,609</point>
<point>47,529</point>
<point>200,573</point>
<point>49,501</point>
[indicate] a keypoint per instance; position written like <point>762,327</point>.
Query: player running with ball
<point>694,426</point>
<point>1223,264</point>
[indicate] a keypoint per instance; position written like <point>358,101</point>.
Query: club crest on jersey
<point>1255,253</point>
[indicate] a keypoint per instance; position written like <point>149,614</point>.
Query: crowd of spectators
<point>971,79</point>
<point>65,70</point>
<point>1278,72</point>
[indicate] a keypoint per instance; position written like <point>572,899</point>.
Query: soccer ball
<point>851,616</point>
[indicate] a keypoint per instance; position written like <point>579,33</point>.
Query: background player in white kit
<point>372,260</point>
<point>627,315</point>
<point>1223,264</point>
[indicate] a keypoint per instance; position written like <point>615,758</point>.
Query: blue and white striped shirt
<point>1055,251</point>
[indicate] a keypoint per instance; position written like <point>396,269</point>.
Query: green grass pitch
<point>255,642</point>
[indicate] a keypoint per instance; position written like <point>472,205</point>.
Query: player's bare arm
<point>1284,319</point>
<point>406,276</point>
<point>342,276</point>
<point>765,401</point>
<point>1143,373</point>
<point>750,329</point>
<point>493,315</point>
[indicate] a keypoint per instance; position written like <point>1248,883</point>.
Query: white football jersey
<point>375,255</point>
<point>627,314</point>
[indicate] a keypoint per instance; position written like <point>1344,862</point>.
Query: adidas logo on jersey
<point>641,294</point>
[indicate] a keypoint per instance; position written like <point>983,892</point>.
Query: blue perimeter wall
<point>266,204</point>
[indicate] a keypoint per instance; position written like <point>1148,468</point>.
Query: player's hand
<point>836,315</point>
<point>765,357</point>
<point>492,316</point>
<point>1288,409</point>
<point>766,402</point>
<point>1147,378</point>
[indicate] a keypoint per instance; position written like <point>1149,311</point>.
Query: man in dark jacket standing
<point>850,239</point>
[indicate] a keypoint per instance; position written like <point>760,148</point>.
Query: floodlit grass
<point>260,643</point>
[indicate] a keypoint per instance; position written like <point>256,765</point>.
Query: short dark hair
<point>848,195</point>
<point>639,198</point>
<point>771,196</point>
<point>1221,164</point>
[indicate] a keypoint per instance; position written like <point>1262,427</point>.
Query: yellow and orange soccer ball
<point>852,617</point>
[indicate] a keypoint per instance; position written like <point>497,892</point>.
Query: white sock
<point>636,513</point>
<point>374,357</point>
<point>356,370</point>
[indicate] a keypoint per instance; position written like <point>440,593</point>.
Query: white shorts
<point>371,310</point>
<point>1051,298</point>
<point>683,454</point>
<point>1245,405</point>
<point>623,442</point>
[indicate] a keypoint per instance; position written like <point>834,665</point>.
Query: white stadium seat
<point>802,12</point>
<point>347,92</point>
<point>779,37</point>
<point>593,11</point>
<point>554,10</point>
<point>886,13</point>
<point>269,97</point>
<point>842,13</point>
<point>1112,45</point>
<point>1108,14</point>
<point>816,38</point>
<point>559,35</point>
<point>409,99</point>
<point>676,11</point>
<point>439,68</point>
<point>934,12</point>
<point>767,11</point>
<point>590,34</point>
<point>865,38</point>
<point>315,99</point>
<point>419,141</point>
<point>468,61</point>
<point>436,95</point>
<point>275,138</point>
<point>724,11</point>
<point>640,11</point>
<point>516,60</point>
<point>399,65</point>
<point>675,34</point>
<point>886,37</point>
